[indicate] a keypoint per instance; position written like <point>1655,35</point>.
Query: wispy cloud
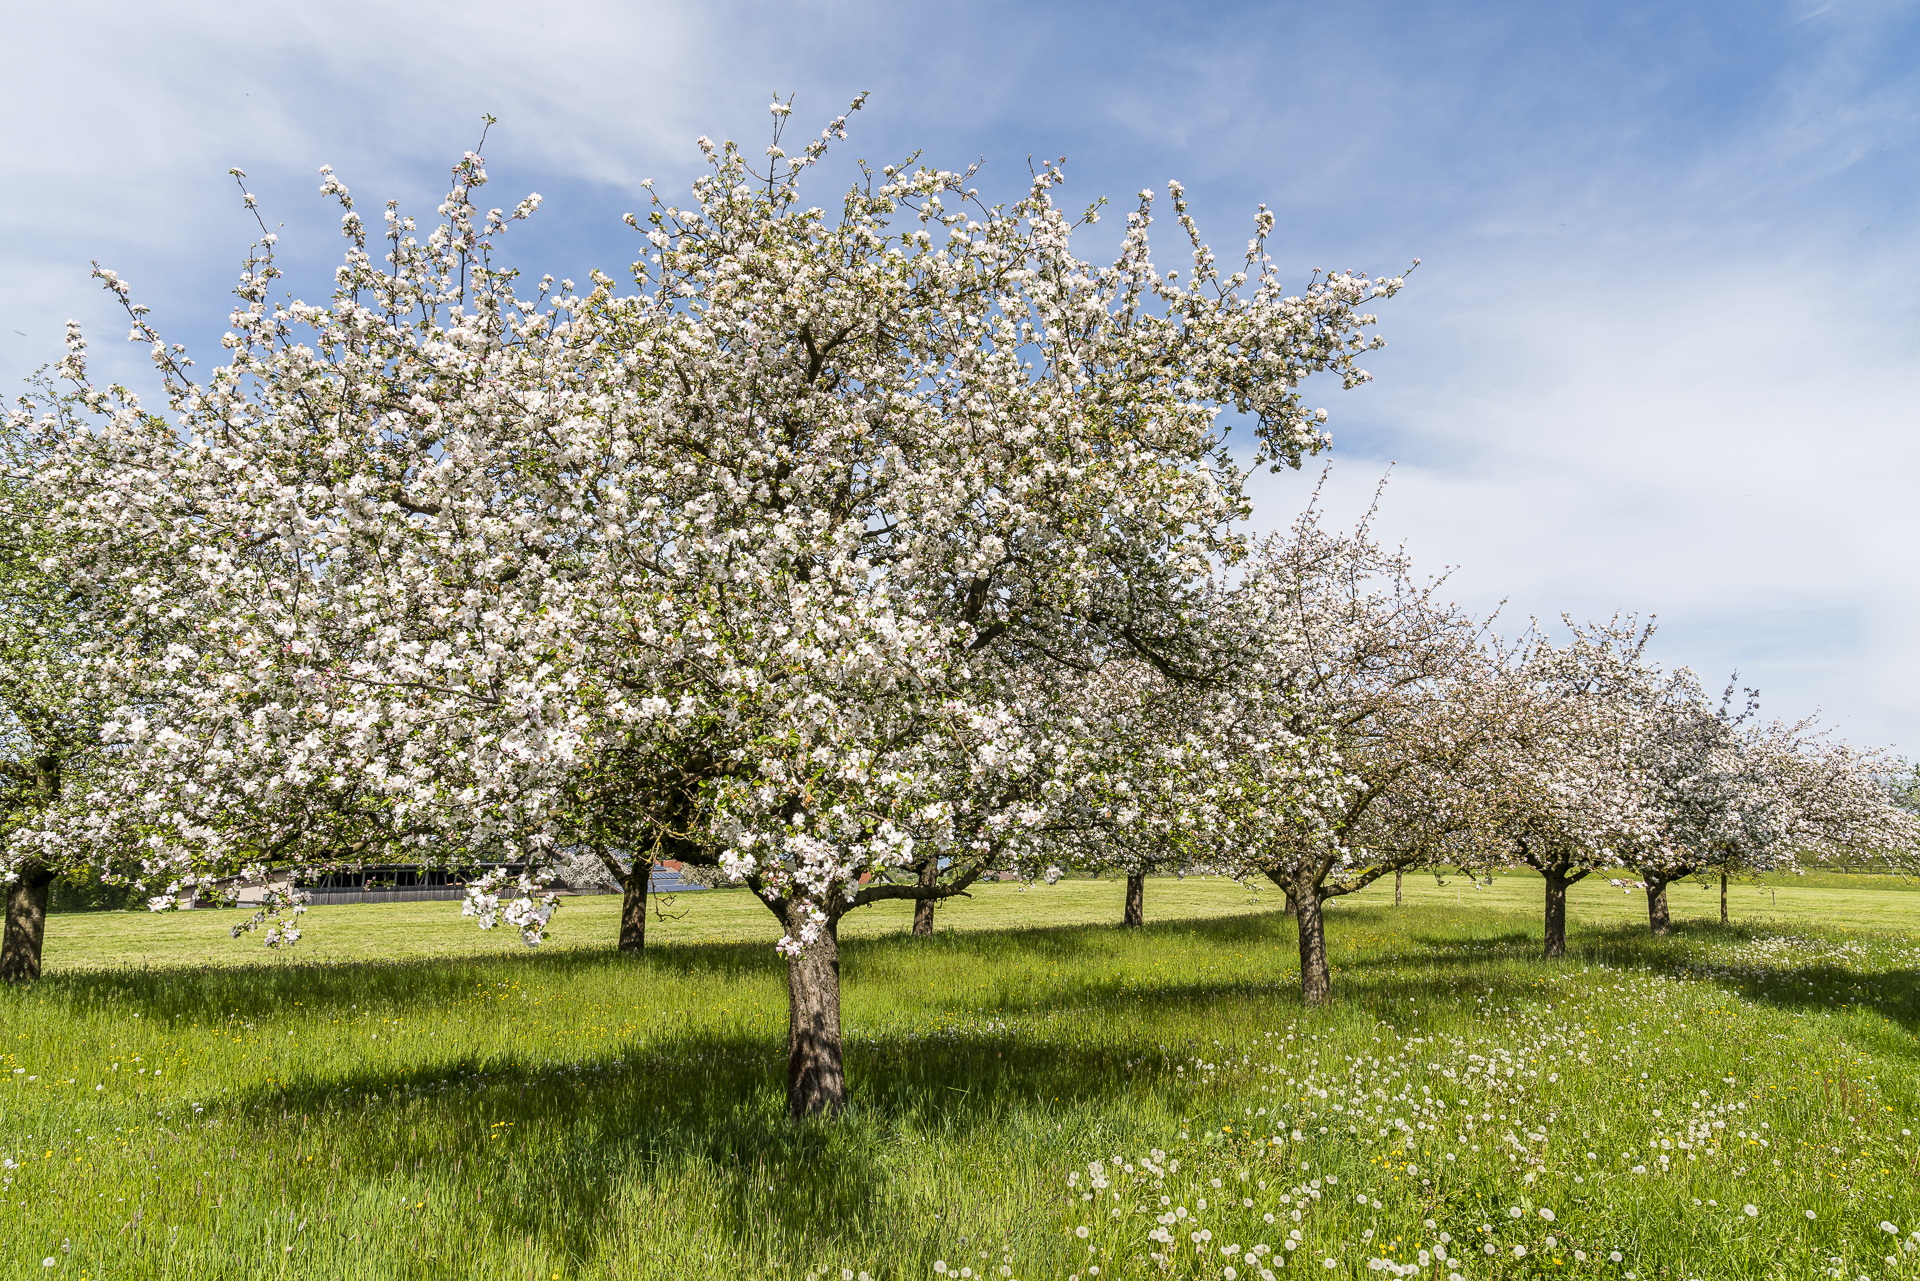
<point>1661,355</point>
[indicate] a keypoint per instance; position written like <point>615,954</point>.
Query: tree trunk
<point>923,909</point>
<point>1316,982</point>
<point>26,925</point>
<point>1723,896</point>
<point>1556,913</point>
<point>1286,888</point>
<point>633,906</point>
<point>1136,909</point>
<point>1658,919</point>
<point>816,1080</point>
<point>1396,887</point>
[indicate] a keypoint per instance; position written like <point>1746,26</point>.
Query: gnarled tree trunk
<point>1396,887</point>
<point>816,1079</point>
<point>1316,981</point>
<point>923,908</point>
<point>1556,912</point>
<point>1658,918</point>
<point>633,906</point>
<point>1723,896</point>
<point>1135,912</point>
<point>26,925</point>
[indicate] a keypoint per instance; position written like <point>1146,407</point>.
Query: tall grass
<point>577,1114</point>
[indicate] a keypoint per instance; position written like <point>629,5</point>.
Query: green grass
<point>472,1109</point>
<point>436,929</point>
<point>402,931</point>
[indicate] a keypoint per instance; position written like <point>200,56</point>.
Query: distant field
<point>94,940</point>
<point>1036,1094</point>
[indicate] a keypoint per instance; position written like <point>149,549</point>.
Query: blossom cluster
<point>528,911</point>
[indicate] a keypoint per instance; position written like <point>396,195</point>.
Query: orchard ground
<point>1037,1094</point>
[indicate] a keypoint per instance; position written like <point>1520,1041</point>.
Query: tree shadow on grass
<point>1042,940</point>
<point>1506,963</point>
<point>553,1141</point>
<point>187,993</point>
<point>1819,983</point>
<point>552,1148</point>
<point>1817,986</point>
<point>712,1100</point>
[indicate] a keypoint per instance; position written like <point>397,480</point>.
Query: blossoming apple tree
<point>1727,792</point>
<point>1612,760</point>
<point>792,519</point>
<point>1563,788</point>
<point>48,724</point>
<point>1368,707</point>
<point>1145,770</point>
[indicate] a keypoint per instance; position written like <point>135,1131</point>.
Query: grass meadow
<point>1037,1094</point>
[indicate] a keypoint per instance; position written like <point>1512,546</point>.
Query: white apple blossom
<point>528,911</point>
<point>282,903</point>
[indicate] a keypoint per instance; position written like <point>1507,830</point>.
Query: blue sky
<point>1661,355</point>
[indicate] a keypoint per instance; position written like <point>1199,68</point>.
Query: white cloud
<point>1729,447</point>
<point>122,126</point>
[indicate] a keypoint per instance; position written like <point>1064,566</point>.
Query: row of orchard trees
<point>857,554</point>
<point>1352,725</point>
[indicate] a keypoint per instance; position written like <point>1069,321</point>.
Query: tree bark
<point>633,906</point>
<point>1723,896</point>
<point>923,909</point>
<point>1135,913</point>
<point>1285,887</point>
<point>816,1079</point>
<point>1396,887</point>
<point>1658,919</point>
<point>1556,913</point>
<point>26,925</point>
<point>1316,982</point>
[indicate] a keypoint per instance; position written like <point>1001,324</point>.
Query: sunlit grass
<point>402,931</point>
<point>573,1113</point>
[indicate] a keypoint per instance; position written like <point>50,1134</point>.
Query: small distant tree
<point>1561,787</point>
<point>1724,791</point>
<point>1144,767</point>
<point>632,807</point>
<point>1366,709</point>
